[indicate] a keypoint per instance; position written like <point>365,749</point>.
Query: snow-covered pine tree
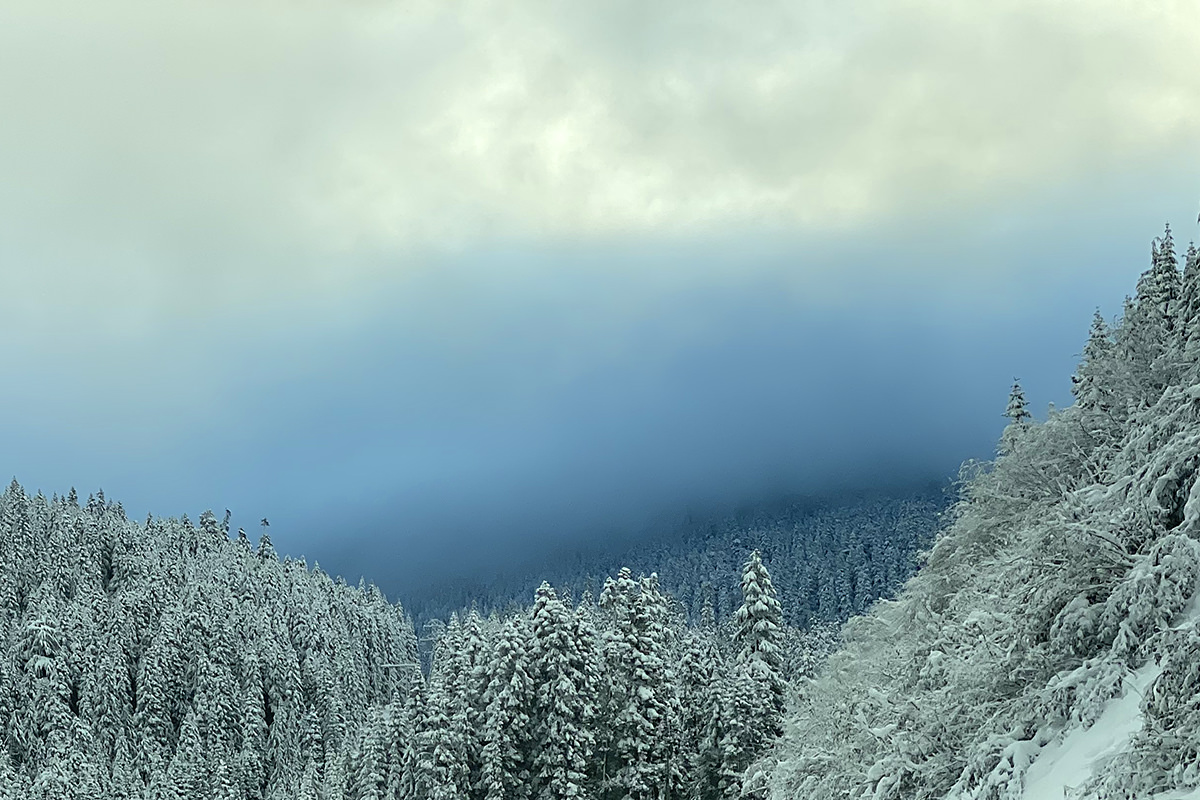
<point>473,667</point>
<point>1089,384</point>
<point>759,638</point>
<point>1188,324</point>
<point>1163,293</point>
<point>445,733</point>
<point>507,753</point>
<point>370,779</point>
<point>1146,338</point>
<point>1017,410</point>
<point>701,671</point>
<point>1017,413</point>
<point>563,734</point>
<point>640,757</point>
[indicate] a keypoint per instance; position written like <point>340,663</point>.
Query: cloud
<point>210,157</point>
<point>320,255</point>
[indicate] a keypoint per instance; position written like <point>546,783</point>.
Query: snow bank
<point>1072,760</point>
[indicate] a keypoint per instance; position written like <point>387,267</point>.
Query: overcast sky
<point>412,279</point>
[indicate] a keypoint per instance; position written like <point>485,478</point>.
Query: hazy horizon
<point>433,289</point>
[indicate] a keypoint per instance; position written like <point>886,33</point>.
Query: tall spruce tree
<point>759,639</point>
<point>507,754</point>
<point>563,735</point>
<point>1189,305</point>
<point>1017,413</point>
<point>1089,383</point>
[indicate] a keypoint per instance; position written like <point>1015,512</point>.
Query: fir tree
<point>1017,411</point>
<point>1189,304</point>
<point>1089,384</point>
<point>563,737</point>
<point>507,728</point>
<point>759,636</point>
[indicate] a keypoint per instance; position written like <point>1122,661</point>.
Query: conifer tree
<point>1163,294</point>
<point>758,638</point>
<point>1017,410</point>
<point>445,734</point>
<point>700,673</point>
<point>618,644</point>
<point>370,778</point>
<point>1147,337</point>
<point>1189,304</point>
<point>1017,413</point>
<point>563,735</point>
<point>265,549</point>
<point>1090,382</point>
<point>507,734</point>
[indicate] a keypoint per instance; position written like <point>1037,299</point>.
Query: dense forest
<point>831,558</point>
<point>1066,581</point>
<point>172,659</point>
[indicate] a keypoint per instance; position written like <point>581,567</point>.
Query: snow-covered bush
<point>1156,589</point>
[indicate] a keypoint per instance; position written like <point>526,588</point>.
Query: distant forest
<point>176,659</point>
<point>830,558</point>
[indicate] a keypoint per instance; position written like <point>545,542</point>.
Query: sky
<point>437,286</point>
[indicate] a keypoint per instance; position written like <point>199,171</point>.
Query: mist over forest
<point>599,400</point>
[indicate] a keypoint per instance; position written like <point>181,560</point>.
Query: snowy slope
<point>1048,647</point>
<point>1192,795</point>
<point>1069,762</point>
<point>1074,758</point>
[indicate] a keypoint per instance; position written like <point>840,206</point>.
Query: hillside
<point>830,559</point>
<point>168,660</point>
<point>1060,601</point>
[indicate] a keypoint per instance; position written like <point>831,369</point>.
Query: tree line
<point>172,659</point>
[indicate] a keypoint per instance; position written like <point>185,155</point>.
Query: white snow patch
<point>1070,761</point>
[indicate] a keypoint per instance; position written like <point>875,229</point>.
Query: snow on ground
<point>1071,760</point>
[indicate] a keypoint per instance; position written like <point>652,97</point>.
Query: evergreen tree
<point>1189,304</point>
<point>370,778</point>
<point>759,637</point>
<point>446,734</point>
<point>1090,382</point>
<point>1017,410</point>
<point>563,736</point>
<point>507,728</point>
<point>1163,293</point>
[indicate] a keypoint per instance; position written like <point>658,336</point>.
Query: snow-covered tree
<point>507,753</point>
<point>759,637</point>
<point>562,733</point>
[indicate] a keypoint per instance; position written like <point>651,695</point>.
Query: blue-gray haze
<point>433,288</point>
<point>518,400</point>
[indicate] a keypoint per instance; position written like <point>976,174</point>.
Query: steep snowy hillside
<point>1050,646</point>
